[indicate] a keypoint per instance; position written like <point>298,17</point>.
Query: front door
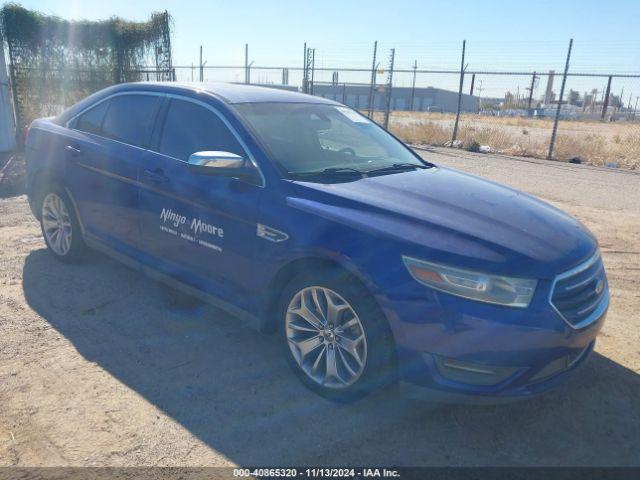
<point>199,229</point>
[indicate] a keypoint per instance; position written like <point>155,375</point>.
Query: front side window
<point>308,138</point>
<point>130,119</point>
<point>91,120</point>
<point>191,128</point>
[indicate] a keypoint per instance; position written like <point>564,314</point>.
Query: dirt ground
<point>97,369</point>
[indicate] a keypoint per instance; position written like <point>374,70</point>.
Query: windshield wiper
<point>398,167</point>
<point>332,171</point>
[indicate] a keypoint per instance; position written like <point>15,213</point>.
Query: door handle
<point>156,176</point>
<point>74,151</point>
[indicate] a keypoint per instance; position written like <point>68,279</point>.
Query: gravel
<point>96,368</point>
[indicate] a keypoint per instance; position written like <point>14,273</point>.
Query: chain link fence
<point>595,114</point>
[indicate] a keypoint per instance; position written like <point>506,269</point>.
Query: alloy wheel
<point>56,224</point>
<point>326,337</point>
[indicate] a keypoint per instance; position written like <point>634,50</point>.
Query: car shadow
<point>231,388</point>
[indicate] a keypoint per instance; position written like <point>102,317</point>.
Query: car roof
<point>231,93</point>
<point>236,93</point>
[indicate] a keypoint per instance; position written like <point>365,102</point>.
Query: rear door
<point>200,229</point>
<point>105,155</point>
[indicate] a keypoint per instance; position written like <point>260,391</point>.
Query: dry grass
<point>596,143</point>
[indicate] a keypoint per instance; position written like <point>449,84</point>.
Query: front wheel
<point>60,227</point>
<point>336,339</point>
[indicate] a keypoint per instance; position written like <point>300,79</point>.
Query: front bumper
<point>457,350</point>
<point>523,383</point>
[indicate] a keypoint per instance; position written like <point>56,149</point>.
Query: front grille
<point>581,294</point>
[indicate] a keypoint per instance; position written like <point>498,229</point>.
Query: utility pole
<point>304,69</point>
<point>473,83</point>
<point>480,96</point>
<point>246,63</point>
<point>389,89</point>
<point>309,69</point>
<point>619,104</point>
<point>455,125</point>
<point>555,121</point>
<point>313,69</point>
<point>372,84</point>
<point>201,66</point>
<point>413,83</point>
<point>605,99</point>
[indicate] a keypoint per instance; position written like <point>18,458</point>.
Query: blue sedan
<point>304,217</point>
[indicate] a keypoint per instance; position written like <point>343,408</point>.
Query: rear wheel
<point>60,227</point>
<point>336,339</point>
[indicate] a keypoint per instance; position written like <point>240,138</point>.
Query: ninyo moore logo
<point>196,225</point>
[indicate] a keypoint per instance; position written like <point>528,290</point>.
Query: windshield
<point>314,138</point>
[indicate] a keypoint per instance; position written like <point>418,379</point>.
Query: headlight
<point>483,287</point>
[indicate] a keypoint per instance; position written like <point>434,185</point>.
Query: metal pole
<point>344,92</point>
<point>389,89</point>
<point>372,85</point>
<point>605,104</point>
<point>635,109</point>
<point>413,83</point>
<point>7,117</point>
<point>201,67</point>
<point>17,113</point>
<point>246,63</point>
<point>473,82</point>
<point>555,121</point>
<point>533,82</point>
<point>455,125</point>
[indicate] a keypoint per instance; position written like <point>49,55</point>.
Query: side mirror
<point>225,164</point>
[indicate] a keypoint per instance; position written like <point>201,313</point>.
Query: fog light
<point>472,373</point>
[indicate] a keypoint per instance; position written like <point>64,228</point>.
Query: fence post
<point>17,113</point>
<point>344,93</point>
<point>455,125</point>
<point>555,121</point>
<point>533,84</point>
<point>7,116</point>
<point>605,103</point>
<point>372,85</point>
<point>389,89</point>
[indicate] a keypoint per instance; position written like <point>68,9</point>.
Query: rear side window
<point>91,120</point>
<point>130,119</point>
<point>191,128</point>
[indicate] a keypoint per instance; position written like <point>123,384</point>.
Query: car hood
<point>445,215</point>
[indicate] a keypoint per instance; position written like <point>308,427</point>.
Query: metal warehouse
<point>424,99</point>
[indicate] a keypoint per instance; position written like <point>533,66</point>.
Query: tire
<point>60,226</point>
<point>344,356</point>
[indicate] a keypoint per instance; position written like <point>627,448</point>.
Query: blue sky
<point>512,35</point>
